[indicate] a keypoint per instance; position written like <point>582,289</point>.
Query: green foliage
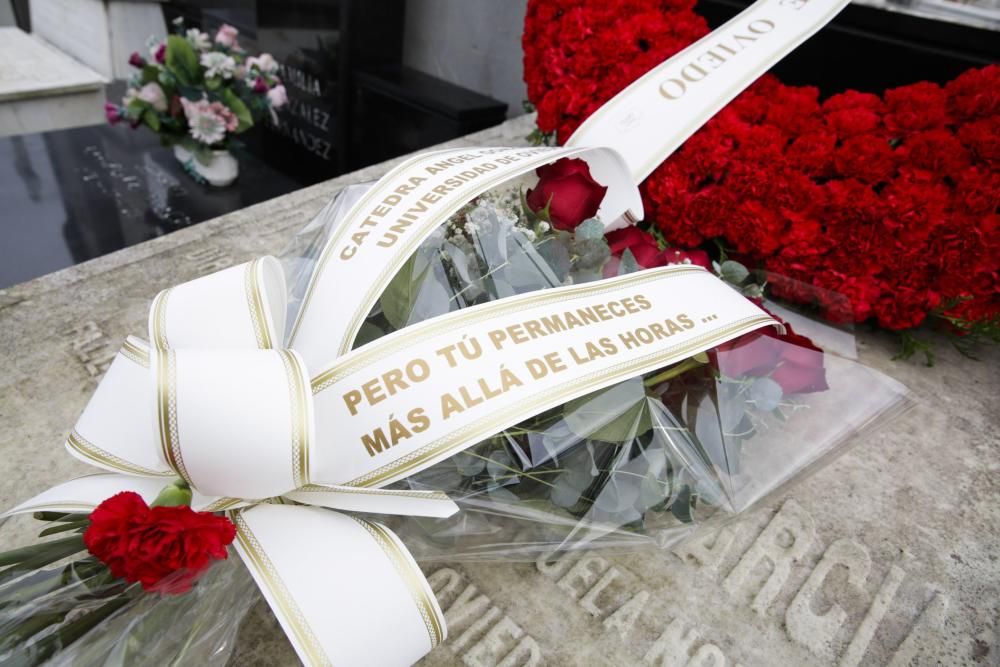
<point>401,294</point>
<point>539,138</point>
<point>150,118</point>
<point>910,345</point>
<point>627,263</point>
<point>616,414</point>
<point>733,272</point>
<point>149,74</point>
<point>236,105</point>
<point>182,61</point>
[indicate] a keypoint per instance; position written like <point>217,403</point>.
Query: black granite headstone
<point>319,44</point>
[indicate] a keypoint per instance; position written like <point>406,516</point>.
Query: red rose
<point>642,244</point>
<point>570,192</point>
<point>164,548</point>
<point>791,360</point>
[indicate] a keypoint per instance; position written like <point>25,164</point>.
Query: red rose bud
<point>161,53</point>
<point>166,549</point>
<point>135,60</point>
<point>259,86</point>
<point>568,190</point>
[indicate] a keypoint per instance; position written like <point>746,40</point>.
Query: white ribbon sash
<point>279,437</point>
<point>652,117</point>
<point>388,223</point>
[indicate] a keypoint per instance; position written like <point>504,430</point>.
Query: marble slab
<point>889,556</point>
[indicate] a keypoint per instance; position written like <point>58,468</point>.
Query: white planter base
<point>221,170</point>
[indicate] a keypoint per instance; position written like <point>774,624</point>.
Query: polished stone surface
<point>72,195</point>
<point>889,556</point>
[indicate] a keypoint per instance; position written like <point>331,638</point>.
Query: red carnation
<point>851,113</point>
<point>568,190</point>
<point>919,106</point>
<point>164,548</point>
<point>975,93</point>
<point>889,200</point>
<point>870,159</point>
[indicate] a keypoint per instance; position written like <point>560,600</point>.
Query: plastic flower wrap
<point>642,462</point>
<point>143,586</point>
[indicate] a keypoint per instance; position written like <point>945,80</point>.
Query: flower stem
<point>672,372</point>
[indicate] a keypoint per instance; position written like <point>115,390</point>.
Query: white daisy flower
<point>217,64</point>
<point>198,39</point>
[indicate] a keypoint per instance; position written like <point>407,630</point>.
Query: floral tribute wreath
<point>891,200</point>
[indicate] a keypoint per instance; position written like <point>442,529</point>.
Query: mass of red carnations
<point>873,207</point>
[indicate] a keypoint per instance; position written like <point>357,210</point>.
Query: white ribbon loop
<point>435,504</point>
<point>236,308</point>
<point>341,595</point>
<point>115,430</point>
<point>234,423</point>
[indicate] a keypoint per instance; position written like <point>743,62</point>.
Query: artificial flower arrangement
<point>888,200</point>
<point>197,93</point>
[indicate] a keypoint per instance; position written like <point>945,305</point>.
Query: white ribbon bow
<point>233,416</point>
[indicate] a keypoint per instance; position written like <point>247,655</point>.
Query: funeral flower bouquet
<point>197,92</point>
<point>640,462</point>
<point>485,357</point>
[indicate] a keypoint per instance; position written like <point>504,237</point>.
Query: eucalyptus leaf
<point>627,263</point>
<point>565,491</point>
<point>433,298</point>
<point>556,254</point>
<point>528,271</point>
<point>499,464</point>
<point>733,272</point>
<point>468,465</point>
<point>620,494</point>
<point>616,414</point>
<point>401,293</point>
<point>652,491</point>
<point>766,394</point>
<point>589,230</point>
<point>500,494</point>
